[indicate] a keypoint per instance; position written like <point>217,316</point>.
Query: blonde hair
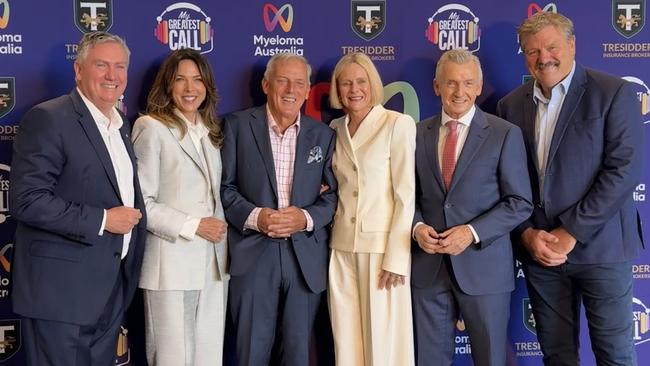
<point>376,86</point>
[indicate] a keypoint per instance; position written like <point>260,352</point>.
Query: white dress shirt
<point>109,129</point>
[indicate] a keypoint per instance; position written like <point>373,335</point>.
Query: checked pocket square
<point>315,155</point>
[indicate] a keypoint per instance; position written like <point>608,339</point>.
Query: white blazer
<point>375,171</point>
<point>176,184</point>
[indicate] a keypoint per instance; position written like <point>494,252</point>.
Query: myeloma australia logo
<point>275,19</point>
<point>454,26</point>
<point>4,13</point>
<point>93,15</point>
<point>10,44</point>
<point>185,25</point>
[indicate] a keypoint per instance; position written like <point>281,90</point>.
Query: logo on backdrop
<point>4,14</point>
<point>7,95</point>
<point>6,253</point>
<point>184,25</point>
<point>368,18</point>
<point>527,316</point>
<point>92,15</point>
<point>454,26</point>
<point>123,354</point>
<point>10,339</point>
<point>4,192</point>
<point>278,19</point>
<point>272,16</point>
<point>641,316</point>
<point>641,271</point>
<point>534,8</point>
<point>461,340</point>
<point>628,16</point>
<point>643,93</point>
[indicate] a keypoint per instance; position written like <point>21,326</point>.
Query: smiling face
<point>354,89</point>
<point>188,89</point>
<point>549,56</point>
<point>458,85</point>
<point>102,76</point>
<point>286,89</point>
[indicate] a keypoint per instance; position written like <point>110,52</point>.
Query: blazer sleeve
<point>162,220</point>
<point>39,156</point>
<point>515,204</point>
<point>402,171</point>
<point>620,168</point>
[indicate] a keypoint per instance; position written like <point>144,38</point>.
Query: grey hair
<point>459,57</point>
<point>542,20</point>
<point>92,39</point>
<point>285,56</point>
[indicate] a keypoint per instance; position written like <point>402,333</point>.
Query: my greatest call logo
<point>184,25</point>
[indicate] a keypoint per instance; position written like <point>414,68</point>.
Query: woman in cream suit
<point>184,268</point>
<point>369,296</point>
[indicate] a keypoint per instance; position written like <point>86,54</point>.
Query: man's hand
<point>122,219</point>
<point>264,219</point>
<point>211,229</point>
<point>565,243</point>
<point>539,244</point>
<point>388,280</point>
<point>286,221</point>
<point>427,238</point>
<point>455,240</point>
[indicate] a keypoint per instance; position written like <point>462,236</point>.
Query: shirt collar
<point>274,125</point>
<point>197,128</point>
<point>465,120</point>
<point>115,122</point>
<point>562,87</point>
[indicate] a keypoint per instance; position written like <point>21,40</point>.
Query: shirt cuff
<point>101,229</point>
<point>474,234</point>
<point>251,221</point>
<point>310,222</point>
<point>189,227</point>
<point>415,227</point>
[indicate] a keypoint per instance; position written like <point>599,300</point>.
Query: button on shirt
<point>122,164</point>
<point>548,111</point>
<point>283,146</point>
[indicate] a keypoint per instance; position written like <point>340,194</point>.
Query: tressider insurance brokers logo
<point>627,19</point>
<point>10,44</point>
<point>185,25</point>
<point>93,15</point>
<point>454,26</point>
<point>277,17</point>
<point>7,95</point>
<point>368,18</point>
<point>10,339</point>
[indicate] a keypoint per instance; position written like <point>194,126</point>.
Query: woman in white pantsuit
<point>374,164</point>
<point>184,271</point>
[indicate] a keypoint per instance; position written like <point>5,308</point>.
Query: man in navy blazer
<point>463,261</point>
<point>274,163</point>
<point>584,141</point>
<point>76,197</point>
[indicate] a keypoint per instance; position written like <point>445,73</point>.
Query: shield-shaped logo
<point>93,15</point>
<point>628,16</point>
<point>368,18</point>
<point>528,317</point>
<point>7,95</point>
<point>10,339</point>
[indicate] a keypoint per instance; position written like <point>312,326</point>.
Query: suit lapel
<point>213,160</point>
<point>304,143</point>
<point>188,147</point>
<point>478,130</point>
<point>92,131</point>
<point>368,127</point>
<point>528,126</point>
<point>260,130</point>
<point>571,101</point>
<point>432,134</point>
<point>344,139</point>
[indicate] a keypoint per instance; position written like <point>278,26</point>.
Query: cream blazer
<point>375,170</point>
<point>175,185</point>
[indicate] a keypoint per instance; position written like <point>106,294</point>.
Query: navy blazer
<point>248,181</point>
<point>594,164</point>
<point>62,179</point>
<point>489,190</point>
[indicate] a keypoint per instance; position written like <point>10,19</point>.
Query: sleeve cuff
<point>474,234</point>
<point>251,221</point>
<point>101,229</point>
<point>310,221</point>
<point>188,231</point>
<point>415,227</point>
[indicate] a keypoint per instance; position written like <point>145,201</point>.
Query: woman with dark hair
<point>184,271</point>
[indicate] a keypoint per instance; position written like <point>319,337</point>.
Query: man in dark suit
<point>584,142</point>
<point>76,197</point>
<point>274,163</point>
<point>471,191</point>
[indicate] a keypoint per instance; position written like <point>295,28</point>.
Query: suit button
<point>447,205</point>
<point>354,168</point>
<point>355,194</point>
<point>117,255</point>
<point>354,219</point>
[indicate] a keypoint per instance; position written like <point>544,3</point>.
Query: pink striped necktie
<point>449,153</point>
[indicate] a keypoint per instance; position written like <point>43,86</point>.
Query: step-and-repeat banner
<point>404,38</point>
